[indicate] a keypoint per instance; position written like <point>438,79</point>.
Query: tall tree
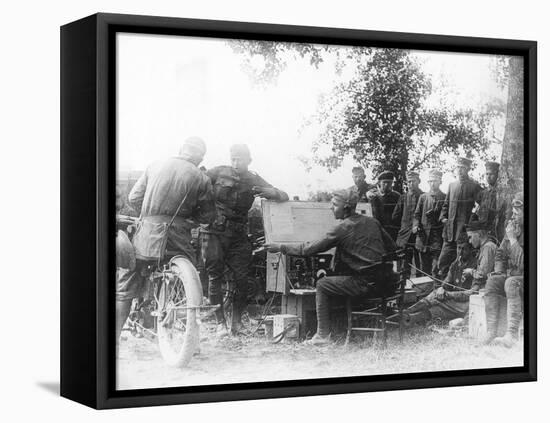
<point>512,162</point>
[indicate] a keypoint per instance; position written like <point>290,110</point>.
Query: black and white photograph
<point>290,211</point>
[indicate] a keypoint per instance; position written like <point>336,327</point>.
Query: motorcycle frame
<point>88,148</point>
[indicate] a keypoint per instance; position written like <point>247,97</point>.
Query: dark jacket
<point>494,208</point>
<point>457,208</point>
<point>360,241</point>
<point>426,218</point>
<point>382,210</point>
<point>404,212</point>
<point>361,192</point>
<point>510,258</point>
<point>234,195</point>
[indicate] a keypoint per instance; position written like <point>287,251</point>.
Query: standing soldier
<point>492,205</point>
<point>361,187</point>
<point>426,224</point>
<point>383,203</point>
<point>404,212</point>
<point>158,194</point>
<point>507,279</point>
<point>456,212</point>
<point>225,241</point>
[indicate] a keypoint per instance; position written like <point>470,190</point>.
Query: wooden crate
<point>477,326</point>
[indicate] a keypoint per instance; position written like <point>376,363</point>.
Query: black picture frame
<point>88,203</point>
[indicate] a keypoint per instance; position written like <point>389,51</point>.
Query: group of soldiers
<point>470,238</point>
<point>441,230</point>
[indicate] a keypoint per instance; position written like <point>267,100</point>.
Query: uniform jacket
<point>404,212</point>
<point>493,209</point>
<point>233,193</point>
<point>457,207</point>
<point>162,187</point>
<point>382,210</point>
<point>157,194</point>
<point>359,240</point>
<point>485,261</point>
<point>426,218</point>
<point>510,258</point>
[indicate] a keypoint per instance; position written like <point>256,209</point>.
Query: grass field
<point>253,359</point>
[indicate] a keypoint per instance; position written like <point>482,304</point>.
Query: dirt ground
<point>254,359</point>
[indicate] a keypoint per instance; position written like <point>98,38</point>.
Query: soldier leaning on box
<point>383,203</point>
<point>404,212</point>
<point>157,194</point>
<point>225,241</point>
<point>426,224</point>
<point>456,212</point>
<point>507,279</point>
<point>360,242</point>
<point>450,300</point>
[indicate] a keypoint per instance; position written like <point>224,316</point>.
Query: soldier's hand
<point>444,220</point>
<point>272,248</point>
<point>415,229</point>
<point>263,191</point>
<point>468,272</point>
<point>440,293</point>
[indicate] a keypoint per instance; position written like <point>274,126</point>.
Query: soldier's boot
<point>419,317</point>
<point>221,325</point>
<point>492,307</point>
<point>513,316</point>
<point>237,326</point>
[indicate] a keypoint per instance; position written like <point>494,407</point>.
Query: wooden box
<point>477,326</point>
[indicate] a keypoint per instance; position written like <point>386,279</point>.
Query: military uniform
<point>225,241</point>
<point>404,212</point>
<point>429,237</point>
<point>457,209</point>
<point>506,281</point>
<point>493,211</point>
<point>383,205</point>
<point>360,241</point>
<point>361,191</point>
<point>458,286</point>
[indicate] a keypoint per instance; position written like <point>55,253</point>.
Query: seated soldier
<point>466,276</point>
<point>449,301</point>
<point>361,244</point>
<point>507,279</point>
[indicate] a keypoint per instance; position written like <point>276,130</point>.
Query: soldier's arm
<point>331,239</point>
<point>418,212</point>
<point>389,244</point>
<point>501,256</point>
<point>398,210</point>
<point>376,207</point>
<point>205,210</point>
<point>486,263</point>
<point>268,191</point>
<point>136,195</point>
<point>445,206</point>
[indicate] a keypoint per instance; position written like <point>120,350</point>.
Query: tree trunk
<point>512,162</point>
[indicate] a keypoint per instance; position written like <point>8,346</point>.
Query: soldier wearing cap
<point>360,243</point>
<point>492,206</point>
<point>158,194</point>
<point>456,212</point>
<point>384,202</point>
<point>451,300</point>
<point>404,212</point>
<point>225,241</point>
<point>360,186</point>
<point>426,224</point>
<point>507,279</point>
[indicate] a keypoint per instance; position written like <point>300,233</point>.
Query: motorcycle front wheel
<point>178,303</point>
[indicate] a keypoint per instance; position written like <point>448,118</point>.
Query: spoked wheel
<point>177,326</point>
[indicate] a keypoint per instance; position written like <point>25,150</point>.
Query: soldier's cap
<point>347,196</point>
<point>386,176</point>
<point>492,166</point>
<point>463,161</point>
<point>412,174</point>
<point>358,169</point>
<point>240,150</point>
<point>193,145</point>
<point>475,226</point>
<point>517,201</point>
<point>435,175</point>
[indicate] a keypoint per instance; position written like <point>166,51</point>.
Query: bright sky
<point>172,87</point>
